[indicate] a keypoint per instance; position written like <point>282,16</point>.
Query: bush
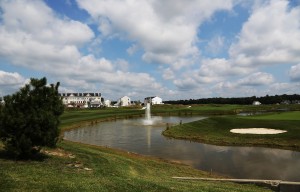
<point>29,118</point>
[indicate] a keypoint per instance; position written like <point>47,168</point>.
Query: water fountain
<point>148,120</point>
<point>148,112</point>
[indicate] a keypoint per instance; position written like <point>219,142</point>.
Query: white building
<point>153,100</point>
<point>256,103</point>
<point>123,101</point>
<point>107,103</point>
<point>83,100</point>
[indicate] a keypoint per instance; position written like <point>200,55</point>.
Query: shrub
<point>29,118</point>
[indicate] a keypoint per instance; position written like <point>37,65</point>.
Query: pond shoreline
<point>170,135</point>
<point>216,131</point>
<point>227,144</point>
<point>130,135</point>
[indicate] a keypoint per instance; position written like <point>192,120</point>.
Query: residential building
<point>153,100</point>
<point>107,103</point>
<point>286,102</point>
<point>256,103</point>
<point>83,100</point>
<point>123,101</point>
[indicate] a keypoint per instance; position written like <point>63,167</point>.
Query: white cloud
<point>132,49</point>
<point>216,45</point>
<point>263,41</point>
<point>210,71</point>
<point>215,67</point>
<point>231,89</point>
<point>38,21</point>
<point>122,65</point>
<point>186,84</point>
<point>219,87</point>
<point>166,30</point>
<point>89,63</point>
<point>270,36</point>
<point>34,37</point>
<point>282,88</point>
<point>111,77</point>
<point>295,72</point>
<point>31,35</point>
<point>10,82</point>
<point>105,26</point>
<point>256,79</point>
<point>253,84</point>
<point>7,78</point>
<point>247,86</point>
<point>168,74</point>
<point>95,46</point>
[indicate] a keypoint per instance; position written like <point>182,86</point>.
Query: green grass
<point>74,118</point>
<point>293,115</point>
<point>111,170</point>
<point>216,130</point>
<point>195,109</point>
<point>214,109</point>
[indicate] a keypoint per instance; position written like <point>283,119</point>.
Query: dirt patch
<point>78,165</point>
<point>59,152</point>
<point>62,153</point>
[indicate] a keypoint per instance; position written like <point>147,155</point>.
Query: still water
<point>238,162</point>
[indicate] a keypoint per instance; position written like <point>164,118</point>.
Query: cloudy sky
<point>175,49</point>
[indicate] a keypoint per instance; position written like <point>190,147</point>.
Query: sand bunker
<point>257,131</point>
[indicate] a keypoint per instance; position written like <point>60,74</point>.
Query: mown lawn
<point>292,115</point>
<point>75,117</point>
<point>78,167</point>
<point>216,130</point>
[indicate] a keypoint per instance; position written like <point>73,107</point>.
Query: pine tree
<point>29,119</point>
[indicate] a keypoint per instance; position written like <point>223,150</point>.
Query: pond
<point>237,162</point>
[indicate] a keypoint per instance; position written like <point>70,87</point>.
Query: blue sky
<point>174,49</point>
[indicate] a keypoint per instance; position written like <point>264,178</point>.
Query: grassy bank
<point>76,117</point>
<point>214,109</point>
<point>216,130</point>
<point>79,167</point>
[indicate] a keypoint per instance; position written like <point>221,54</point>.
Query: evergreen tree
<point>29,118</point>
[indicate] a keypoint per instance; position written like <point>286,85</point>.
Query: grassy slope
<point>216,130</point>
<point>111,170</point>
<point>73,118</point>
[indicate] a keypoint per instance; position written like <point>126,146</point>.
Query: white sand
<point>257,131</point>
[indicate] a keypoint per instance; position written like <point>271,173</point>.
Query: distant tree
<point>240,100</point>
<point>29,118</point>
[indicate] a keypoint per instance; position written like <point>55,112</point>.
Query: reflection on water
<point>238,162</point>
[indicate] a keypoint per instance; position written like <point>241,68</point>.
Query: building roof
<point>150,97</point>
<point>80,94</point>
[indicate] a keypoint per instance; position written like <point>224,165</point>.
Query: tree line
<point>286,99</point>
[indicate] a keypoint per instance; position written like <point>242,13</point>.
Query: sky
<point>174,49</point>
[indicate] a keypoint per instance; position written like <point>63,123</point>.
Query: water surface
<point>238,162</point>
